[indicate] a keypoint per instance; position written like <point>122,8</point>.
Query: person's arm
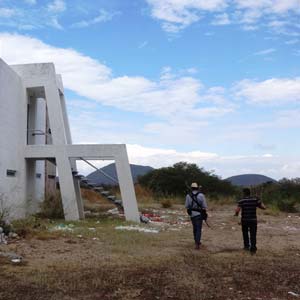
<point>238,208</point>
<point>260,204</point>
<point>187,201</point>
<point>203,202</point>
<point>237,211</point>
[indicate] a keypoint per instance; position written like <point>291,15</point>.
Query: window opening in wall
<point>11,173</point>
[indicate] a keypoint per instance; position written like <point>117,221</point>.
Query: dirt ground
<point>92,259</point>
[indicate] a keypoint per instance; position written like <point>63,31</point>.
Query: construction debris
<point>62,227</point>
<point>294,294</point>
<point>13,257</point>
<point>137,228</point>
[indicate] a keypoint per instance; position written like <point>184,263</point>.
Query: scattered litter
<point>97,222</point>
<point>13,235</point>
<point>289,216</point>
<point>16,260</point>
<point>290,228</point>
<point>113,211</point>
<point>62,227</point>
<point>293,294</point>
<point>144,219</point>
<point>137,228</point>
<point>233,228</point>
<point>95,239</point>
<point>231,288</point>
<point>223,224</point>
<point>79,236</point>
<point>92,229</point>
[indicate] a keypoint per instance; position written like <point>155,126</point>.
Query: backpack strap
<point>194,199</point>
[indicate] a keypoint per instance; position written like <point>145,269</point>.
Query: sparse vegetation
<point>166,203</point>
<point>52,207</point>
<point>4,214</point>
<point>104,263</point>
<point>284,194</point>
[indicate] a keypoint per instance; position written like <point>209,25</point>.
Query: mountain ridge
<point>97,178</point>
<point>249,179</point>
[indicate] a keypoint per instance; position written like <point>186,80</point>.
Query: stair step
<point>98,188</point>
<point>105,193</point>
<point>78,176</point>
<point>118,202</point>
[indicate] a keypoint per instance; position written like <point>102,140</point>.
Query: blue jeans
<point>197,229</point>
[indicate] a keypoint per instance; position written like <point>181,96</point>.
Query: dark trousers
<point>197,229</point>
<point>249,227</point>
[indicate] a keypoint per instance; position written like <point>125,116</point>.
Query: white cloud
<point>221,19</point>
<point>268,164</point>
<point>7,12</point>
<point>33,17</point>
<point>176,15</point>
<point>273,91</point>
<point>103,16</point>
<point>57,6</point>
<point>265,52</point>
<point>182,96</point>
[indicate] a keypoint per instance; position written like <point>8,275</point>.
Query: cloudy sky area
<point>215,82</point>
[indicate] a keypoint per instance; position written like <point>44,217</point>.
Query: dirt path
<point>93,260</point>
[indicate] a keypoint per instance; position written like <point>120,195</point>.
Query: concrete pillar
<point>68,192</point>
<point>40,139</point>
<point>126,186</point>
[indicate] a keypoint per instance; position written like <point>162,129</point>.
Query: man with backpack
<point>195,203</point>
<point>248,206</point>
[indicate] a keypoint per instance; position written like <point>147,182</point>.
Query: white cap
<point>194,185</point>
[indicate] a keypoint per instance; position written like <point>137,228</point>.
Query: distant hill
<point>98,178</point>
<point>249,179</point>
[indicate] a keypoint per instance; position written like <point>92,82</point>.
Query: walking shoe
<point>197,246</point>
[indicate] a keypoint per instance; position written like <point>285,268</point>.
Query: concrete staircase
<point>85,183</point>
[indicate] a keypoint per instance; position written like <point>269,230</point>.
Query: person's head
<point>194,186</point>
<point>246,192</point>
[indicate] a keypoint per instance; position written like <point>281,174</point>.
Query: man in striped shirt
<point>248,206</point>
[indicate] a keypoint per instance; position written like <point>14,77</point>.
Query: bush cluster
<point>284,194</point>
<point>175,181</point>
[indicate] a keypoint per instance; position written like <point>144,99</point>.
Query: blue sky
<point>212,82</point>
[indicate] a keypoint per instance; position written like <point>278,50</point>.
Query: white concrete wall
<point>13,107</point>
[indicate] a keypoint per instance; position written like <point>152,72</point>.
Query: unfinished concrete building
<point>36,144</point>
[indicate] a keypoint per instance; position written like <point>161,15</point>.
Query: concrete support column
<point>126,186</point>
<point>70,189</point>
<point>68,192</point>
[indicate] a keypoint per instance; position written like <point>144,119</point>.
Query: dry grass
<point>110,264</point>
